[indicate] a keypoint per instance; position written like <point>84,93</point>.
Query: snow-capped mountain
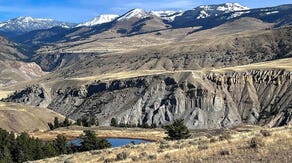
<point>135,13</point>
<point>202,12</point>
<point>166,15</point>
<point>215,10</point>
<point>26,24</point>
<point>209,15</point>
<point>99,20</point>
<point>141,21</point>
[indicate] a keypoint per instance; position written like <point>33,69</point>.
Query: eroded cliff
<point>204,100</point>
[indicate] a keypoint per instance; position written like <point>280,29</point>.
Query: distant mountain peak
<point>232,7</point>
<point>214,10</point>
<point>27,23</point>
<point>105,18</point>
<point>167,15</point>
<point>29,19</point>
<point>226,7</point>
<point>134,13</point>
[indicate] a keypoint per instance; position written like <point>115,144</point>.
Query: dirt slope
<point>20,118</point>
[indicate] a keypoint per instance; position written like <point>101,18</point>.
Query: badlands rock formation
<point>203,99</point>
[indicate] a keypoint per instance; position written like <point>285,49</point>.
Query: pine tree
<point>96,122</point>
<point>49,150</point>
<point>92,121</point>
<point>78,122</point>
<point>38,150</point>
<point>60,144</point>
<point>177,130</point>
<point>5,155</point>
<point>66,122</point>
<point>114,122</point>
<point>91,142</point>
<point>56,122</point>
<point>51,126</point>
<point>84,121</point>
<point>25,145</point>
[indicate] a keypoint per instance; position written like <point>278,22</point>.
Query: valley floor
<point>73,132</point>
<point>240,144</point>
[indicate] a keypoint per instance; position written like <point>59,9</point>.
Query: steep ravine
<point>210,100</point>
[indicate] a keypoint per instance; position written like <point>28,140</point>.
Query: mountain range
<point>26,24</point>
<point>214,66</point>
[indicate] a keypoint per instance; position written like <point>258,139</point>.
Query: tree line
<point>86,122</point>
<point>115,123</point>
<point>25,148</point>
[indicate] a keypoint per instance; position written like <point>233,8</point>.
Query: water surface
<point>115,142</point>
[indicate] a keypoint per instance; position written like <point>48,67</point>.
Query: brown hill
<point>12,69</point>
<point>20,118</point>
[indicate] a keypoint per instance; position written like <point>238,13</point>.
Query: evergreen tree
<point>38,150</point>
<point>56,122</point>
<point>114,122</point>
<point>153,125</point>
<point>49,150</point>
<point>92,121</point>
<point>51,126</point>
<point>84,121</point>
<point>25,144</point>
<point>60,144</point>
<point>177,130</point>
<point>97,122</point>
<point>91,142</point>
<point>5,156</point>
<point>66,122</point>
<point>79,122</point>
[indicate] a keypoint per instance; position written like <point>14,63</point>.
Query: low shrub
<point>135,158</point>
<point>164,146</point>
<point>265,133</point>
<point>122,156</point>
<point>225,136</point>
<point>203,147</point>
<point>152,157</point>
<point>224,152</point>
<point>213,140</point>
<point>256,142</point>
<point>143,154</point>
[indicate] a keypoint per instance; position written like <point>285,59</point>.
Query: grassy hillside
<point>241,144</point>
<point>20,118</point>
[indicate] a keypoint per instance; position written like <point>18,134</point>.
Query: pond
<point>115,142</point>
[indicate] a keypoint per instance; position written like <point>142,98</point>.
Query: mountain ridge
<point>27,24</point>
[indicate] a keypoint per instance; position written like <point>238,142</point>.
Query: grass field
<point>284,64</point>
<point>241,144</point>
<point>106,132</point>
<point>20,118</point>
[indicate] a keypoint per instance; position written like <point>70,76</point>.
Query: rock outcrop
<point>204,100</point>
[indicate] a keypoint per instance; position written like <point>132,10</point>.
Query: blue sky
<point>84,10</point>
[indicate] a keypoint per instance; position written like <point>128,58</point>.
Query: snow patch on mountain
<point>229,7</point>
<point>237,14</point>
<point>99,20</point>
<point>167,15</point>
<point>215,10</point>
<point>135,13</point>
<point>203,14</point>
<point>26,24</point>
<point>272,12</point>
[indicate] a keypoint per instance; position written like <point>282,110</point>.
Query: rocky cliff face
<point>204,100</point>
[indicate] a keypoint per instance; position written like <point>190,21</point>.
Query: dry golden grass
<point>20,118</point>
<point>4,94</point>
<point>238,147</point>
<point>123,75</point>
<point>105,132</point>
<point>284,64</point>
